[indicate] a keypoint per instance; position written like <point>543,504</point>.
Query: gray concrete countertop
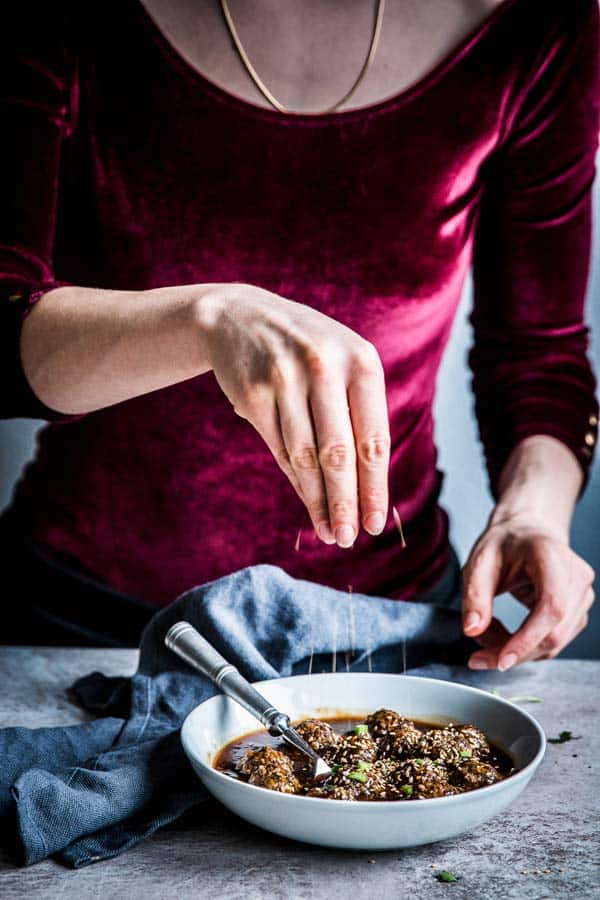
<point>545,846</point>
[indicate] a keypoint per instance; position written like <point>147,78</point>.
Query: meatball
<point>404,742</point>
<point>319,735</point>
<point>474,773</point>
<point>421,779</point>
<point>368,781</point>
<point>377,782</point>
<point>384,721</point>
<point>355,746</point>
<point>446,744</point>
<point>330,791</point>
<point>269,768</point>
<point>475,738</point>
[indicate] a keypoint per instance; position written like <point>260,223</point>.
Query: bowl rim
<point>522,774</point>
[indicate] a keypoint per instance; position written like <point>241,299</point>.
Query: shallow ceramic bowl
<point>373,825</point>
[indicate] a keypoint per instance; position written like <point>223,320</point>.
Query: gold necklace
<point>266,92</point>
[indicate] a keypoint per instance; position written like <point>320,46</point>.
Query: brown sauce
<point>235,750</point>
<point>231,757</point>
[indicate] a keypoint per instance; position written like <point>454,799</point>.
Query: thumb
<point>481,576</point>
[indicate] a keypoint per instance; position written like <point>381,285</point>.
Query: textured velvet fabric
<point>127,169</point>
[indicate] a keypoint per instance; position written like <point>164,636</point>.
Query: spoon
<point>183,639</point>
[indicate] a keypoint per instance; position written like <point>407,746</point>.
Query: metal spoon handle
<point>183,639</point>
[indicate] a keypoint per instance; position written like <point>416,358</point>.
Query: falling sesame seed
<point>398,523</point>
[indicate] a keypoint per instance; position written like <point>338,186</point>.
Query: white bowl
<point>372,825</point>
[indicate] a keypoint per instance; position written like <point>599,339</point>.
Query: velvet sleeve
<point>37,90</point>
<point>531,373</point>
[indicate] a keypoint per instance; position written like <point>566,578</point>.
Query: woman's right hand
<point>315,392</point>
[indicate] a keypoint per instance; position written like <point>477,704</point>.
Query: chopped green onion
<point>419,761</point>
<point>407,789</point>
<point>448,877</point>
<point>361,729</point>
<point>335,768</point>
<point>517,699</point>
<point>466,754</point>
<point>525,699</point>
<point>563,737</point>
<point>362,765</point>
<point>358,776</point>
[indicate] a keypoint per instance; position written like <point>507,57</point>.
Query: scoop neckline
<point>307,118</point>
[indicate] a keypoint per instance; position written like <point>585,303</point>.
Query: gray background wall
<point>465,493</point>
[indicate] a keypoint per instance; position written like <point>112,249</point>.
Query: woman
<point>206,279</point>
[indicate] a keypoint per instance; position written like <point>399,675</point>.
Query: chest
<point>309,54</point>
<point>168,180</point>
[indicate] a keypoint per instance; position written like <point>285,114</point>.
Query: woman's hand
<point>525,550</point>
<point>315,392</point>
<point>538,567</point>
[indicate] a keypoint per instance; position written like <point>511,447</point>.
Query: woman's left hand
<point>539,568</point>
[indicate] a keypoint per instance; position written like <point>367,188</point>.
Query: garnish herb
<point>335,768</point>
<point>466,754</point>
<point>407,789</point>
<point>517,699</point>
<point>563,737</point>
<point>525,699</point>
<point>445,876</point>
<point>361,729</point>
<point>418,762</point>
<point>362,765</point>
<point>358,776</point>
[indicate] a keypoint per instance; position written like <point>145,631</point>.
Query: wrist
<point>519,518</point>
<point>539,486</point>
<point>207,304</point>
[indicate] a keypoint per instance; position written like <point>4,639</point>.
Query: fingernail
<point>344,535</point>
<point>374,523</point>
<point>478,664</point>
<point>472,619</point>
<point>507,661</point>
<point>324,532</point>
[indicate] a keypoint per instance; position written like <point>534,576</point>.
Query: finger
<point>369,418</point>
<point>265,419</point>
<point>300,444</point>
<point>480,580</point>
<point>561,636</point>
<point>497,635</point>
<point>580,625</point>
<point>552,594</point>
<point>553,646</point>
<point>492,639</point>
<point>337,455</point>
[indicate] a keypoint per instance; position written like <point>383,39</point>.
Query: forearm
<point>84,348</point>
<point>539,483</point>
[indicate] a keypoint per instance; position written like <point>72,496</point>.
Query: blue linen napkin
<point>88,792</point>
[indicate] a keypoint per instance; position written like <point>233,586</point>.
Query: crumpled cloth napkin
<point>88,792</point>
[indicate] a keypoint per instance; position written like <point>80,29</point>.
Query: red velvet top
<point>127,169</point>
